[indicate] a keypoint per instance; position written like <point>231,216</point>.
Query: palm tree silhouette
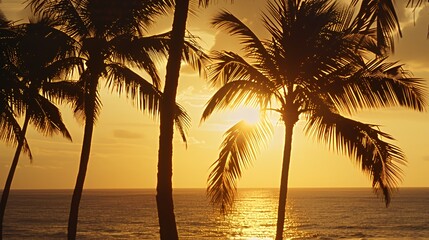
<point>11,102</point>
<point>164,187</point>
<point>10,96</point>
<point>112,41</point>
<point>37,54</point>
<point>310,68</point>
<point>164,197</point>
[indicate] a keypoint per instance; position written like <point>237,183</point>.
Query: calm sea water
<point>311,214</point>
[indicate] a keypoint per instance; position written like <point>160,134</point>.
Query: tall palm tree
<point>38,54</point>
<point>164,187</point>
<point>164,196</point>
<point>10,106</point>
<point>310,68</point>
<point>112,41</point>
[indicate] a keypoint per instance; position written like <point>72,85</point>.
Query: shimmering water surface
<point>311,214</point>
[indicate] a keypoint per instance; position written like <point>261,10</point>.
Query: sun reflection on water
<point>255,217</point>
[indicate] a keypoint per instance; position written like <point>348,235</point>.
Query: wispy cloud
<point>412,46</point>
<point>408,16</point>
<point>195,141</point>
<point>194,98</point>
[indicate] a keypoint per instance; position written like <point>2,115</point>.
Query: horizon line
<point>202,188</point>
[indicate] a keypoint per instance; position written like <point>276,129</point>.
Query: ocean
<point>311,214</point>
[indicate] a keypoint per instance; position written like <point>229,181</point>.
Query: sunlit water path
<point>311,214</point>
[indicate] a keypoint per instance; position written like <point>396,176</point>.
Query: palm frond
<point>415,3</point>
<point>113,17</point>
<point>46,117</point>
<point>123,80</point>
<point>362,142</point>
<point>182,122</point>
<point>153,43</point>
<point>363,38</point>
<point>206,3</point>
<point>382,13</point>
<point>365,42</point>
<point>64,68</point>
<point>308,41</point>
<point>10,130</point>
<point>133,53</point>
<point>235,93</point>
<point>62,91</point>
<point>229,66</point>
<point>251,43</point>
<point>87,103</point>
<point>239,148</point>
<point>194,55</point>
<point>65,11</point>
<point>379,84</point>
<point>141,52</point>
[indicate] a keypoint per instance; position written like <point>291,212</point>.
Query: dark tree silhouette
<point>10,95</point>
<point>36,54</point>
<point>112,39</point>
<point>164,197</point>
<point>311,68</point>
<point>164,188</point>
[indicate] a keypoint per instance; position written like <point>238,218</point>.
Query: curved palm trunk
<point>284,179</point>
<point>83,165</point>
<point>164,196</point>
<point>8,184</point>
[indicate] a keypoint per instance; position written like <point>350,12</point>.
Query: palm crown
<point>311,68</point>
<point>112,40</point>
<point>33,54</point>
<point>42,54</point>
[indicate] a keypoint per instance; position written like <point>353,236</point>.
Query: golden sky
<point>125,141</point>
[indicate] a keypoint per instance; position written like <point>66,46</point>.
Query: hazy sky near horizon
<point>125,141</point>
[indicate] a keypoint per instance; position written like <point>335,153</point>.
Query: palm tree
<point>112,40</point>
<point>10,107</point>
<point>164,197</point>
<point>38,54</point>
<point>164,187</point>
<point>11,104</point>
<point>310,68</point>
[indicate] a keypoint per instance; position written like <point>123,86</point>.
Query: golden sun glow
<point>248,114</point>
<point>228,118</point>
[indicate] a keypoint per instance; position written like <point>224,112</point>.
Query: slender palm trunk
<point>83,165</point>
<point>164,196</point>
<point>284,179</point>
<point>9,179</point>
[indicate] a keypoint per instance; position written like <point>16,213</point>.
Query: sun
<point>250,115</point>
<point>222,121</point>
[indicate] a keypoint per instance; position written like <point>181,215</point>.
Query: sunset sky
<point>125,141</point>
